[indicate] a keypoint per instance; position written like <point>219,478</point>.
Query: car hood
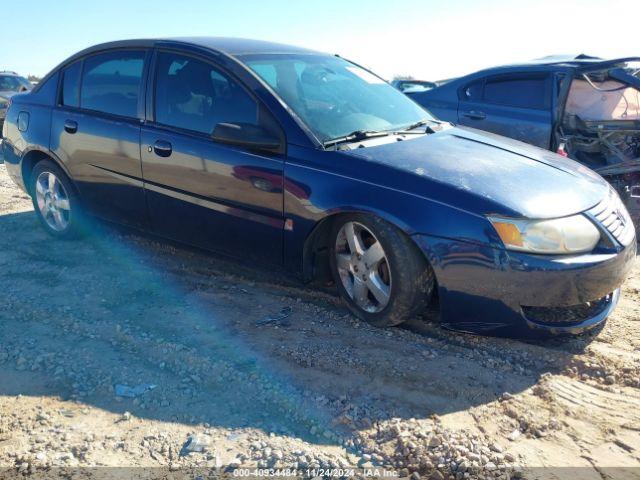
<point>508,176</point>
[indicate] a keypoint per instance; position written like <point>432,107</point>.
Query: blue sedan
<point>308,162</point>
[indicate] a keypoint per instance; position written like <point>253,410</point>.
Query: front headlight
<point>574,234</point>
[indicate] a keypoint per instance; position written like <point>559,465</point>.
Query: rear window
<point>517,92</point>
<point>71,85</point>
<point>111,82</point>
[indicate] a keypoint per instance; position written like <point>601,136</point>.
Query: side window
<point>473,91</point>
<point>193,95</point>
<point>71,85</point>
<point>111,82</point>
<point>530,92</point>
<point>47,89</point>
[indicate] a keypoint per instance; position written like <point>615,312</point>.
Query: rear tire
<point>55,200</point>
<point>379,271</point>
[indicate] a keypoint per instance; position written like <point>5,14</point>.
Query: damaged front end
<point>600,125</point>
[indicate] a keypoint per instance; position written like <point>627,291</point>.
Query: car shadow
<point>229,344</point>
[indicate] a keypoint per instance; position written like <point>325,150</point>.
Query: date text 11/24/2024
<point>373,472</point>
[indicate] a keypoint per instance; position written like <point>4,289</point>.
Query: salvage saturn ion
<point>285,156</point>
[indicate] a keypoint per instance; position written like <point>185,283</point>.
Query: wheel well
<point>29,161</point>
<point>316,267</point>
<point>315,262</point>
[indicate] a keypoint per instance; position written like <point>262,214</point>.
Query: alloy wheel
<point>53,201</point>
<point>363,267</point>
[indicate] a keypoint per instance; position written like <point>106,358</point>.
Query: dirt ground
<point>316,390</point>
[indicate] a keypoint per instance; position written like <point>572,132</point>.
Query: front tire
<point>55,201</point>
<point>378,270</point>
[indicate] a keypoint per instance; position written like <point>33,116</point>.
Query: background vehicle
<point>10,84</point>
<point>583,107</point>
<point>412,86</point>
<point>294,158</point>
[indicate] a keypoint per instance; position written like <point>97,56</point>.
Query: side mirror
<point>246,135</point>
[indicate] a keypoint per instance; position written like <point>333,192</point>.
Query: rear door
<point>517,106</point>
<point>95,131</point>
<point>216,196</point>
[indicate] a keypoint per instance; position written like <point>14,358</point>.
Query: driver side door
<point>213,195</point>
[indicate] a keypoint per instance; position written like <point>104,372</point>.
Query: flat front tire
<point>378,270</point>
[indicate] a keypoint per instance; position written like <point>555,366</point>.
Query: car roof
<point>552,63</point>
<point>564,62</point>
<point>240,46</point>
<point>225,45</point>
<point>222,45</point>
<point>412,80</point>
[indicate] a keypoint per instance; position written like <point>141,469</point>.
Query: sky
<point>425,39</point>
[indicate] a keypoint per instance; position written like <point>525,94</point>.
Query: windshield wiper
<point>359,135</point>
<point>425,121</point>
<point>356,136</point>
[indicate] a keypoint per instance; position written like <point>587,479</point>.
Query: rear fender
<point>34,155</point>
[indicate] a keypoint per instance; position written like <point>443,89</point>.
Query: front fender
<point>313,194</point>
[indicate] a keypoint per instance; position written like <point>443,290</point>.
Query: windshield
<point>13,83</point>
<point>333,97</point>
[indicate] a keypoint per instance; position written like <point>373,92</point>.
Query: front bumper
<point>493,291</point>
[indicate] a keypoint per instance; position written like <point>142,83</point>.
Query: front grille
<point>614,217</point>
<point>567,315</point>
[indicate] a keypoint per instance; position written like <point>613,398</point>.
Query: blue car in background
<point>305,161</point>
<point>582,107</point>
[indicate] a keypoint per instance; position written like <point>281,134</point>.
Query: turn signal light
<point>509,233</point>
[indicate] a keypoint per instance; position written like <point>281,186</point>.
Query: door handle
<point>70,126</point>
<point>162,148</point>
<point>475,114</point>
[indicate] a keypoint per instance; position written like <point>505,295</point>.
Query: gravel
<point>321,390</point>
